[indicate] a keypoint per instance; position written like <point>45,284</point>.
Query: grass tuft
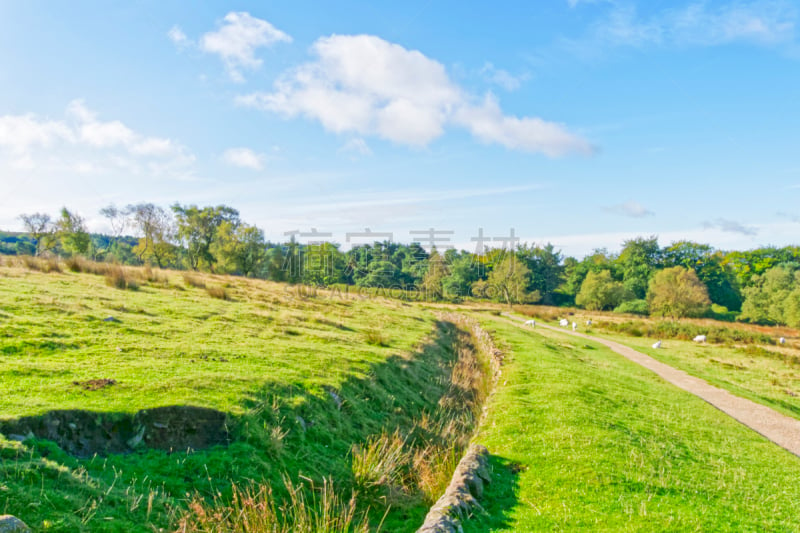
<point>255,510</point>
<point>219,293</point>
<point>117,277</point>
<point>42,264</point>
<point>193,280</point>
<point>376,337</point>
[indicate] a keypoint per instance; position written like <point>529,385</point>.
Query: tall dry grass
<point>256,510</point>
<point>396,467</point>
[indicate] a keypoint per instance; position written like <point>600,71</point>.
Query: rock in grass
<point>12,524</point>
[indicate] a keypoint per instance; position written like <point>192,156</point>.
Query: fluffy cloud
<point>244,158</point>
<point>630,209</point>
<point>236,41</point>
<point>177,36</point>
<point>364,85</point>
<point>502,78</point>
<point>30,139</point>
<point>20,133</point>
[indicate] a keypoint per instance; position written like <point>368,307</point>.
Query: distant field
<point>584,439</point>
<point>769,375</point>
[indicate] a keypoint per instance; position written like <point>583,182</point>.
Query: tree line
<point>682,279</point>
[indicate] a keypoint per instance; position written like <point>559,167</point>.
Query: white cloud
<point>244,158</point>
<point>502,78</point>
<point>177,36</point>
<point>487,123</point>
<point>730,226</point>
<point>80,141</point>
<point>630,209</point>
<point>19,133</point>
<point>357,146</point>
<point>238,38</point>
<point>763,22</point>
<point>364,85</point>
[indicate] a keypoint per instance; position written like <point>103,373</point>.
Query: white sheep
<point>782,340</point>
<point>574,326</point>
<point>563,322</point>
<point>657,345</point>
<point>531,323</point>
<point>700,338</point>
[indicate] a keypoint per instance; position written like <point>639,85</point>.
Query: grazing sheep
<point>563,322</point>
<point>531,323</point>
<point>700,338</point>
<point>657,345</point>
<point>782,340</point>
<point>588,322</point>
<point>574,326</point>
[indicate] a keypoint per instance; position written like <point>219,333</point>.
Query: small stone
<point>111,319</point>
<point>12,524</point>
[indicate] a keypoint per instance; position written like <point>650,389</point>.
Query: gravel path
<point>780,429</point>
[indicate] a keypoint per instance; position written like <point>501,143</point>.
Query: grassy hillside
<point>300,378</point>
<point>584,439</point>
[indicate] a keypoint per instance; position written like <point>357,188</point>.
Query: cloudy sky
<point>576,122</point>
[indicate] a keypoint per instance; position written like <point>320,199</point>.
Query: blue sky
<point>576,122</point>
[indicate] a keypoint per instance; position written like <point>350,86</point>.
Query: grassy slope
<point>603,444</point>
<point>283,353</point>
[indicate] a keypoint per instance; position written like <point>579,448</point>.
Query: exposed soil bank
<point>85,433</point>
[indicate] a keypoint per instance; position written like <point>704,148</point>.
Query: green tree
<point>600,291</point>
<point>157,233</point>
<point>576,271</point>
<point>381,274</point>
<point>711,268</point>
<point>508,280</point>
<point>677,292</point>
<point>432,283</point>
<point>40,227</point>
<point>198,230</point>
<point>71,233</point>
<point>239,249</point>
<point>464,271</point>
<point>770,297</point>
<point>547,272</point>
<point>638,260</point>
<point>323,264</point>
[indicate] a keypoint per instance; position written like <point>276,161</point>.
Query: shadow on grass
<point>303,429</point>
<point>499,499</point>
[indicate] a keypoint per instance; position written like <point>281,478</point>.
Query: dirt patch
<point>85,433</point>
<point>95,384</point>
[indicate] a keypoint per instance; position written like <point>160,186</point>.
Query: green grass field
<point>583,439</point>
<point>301,378</point>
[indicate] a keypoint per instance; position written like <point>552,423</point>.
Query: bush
<point>192,280</point>
<point>46,265</point>
<point>117,277</point>
<point>634,307</point>
<point>217,292</point>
